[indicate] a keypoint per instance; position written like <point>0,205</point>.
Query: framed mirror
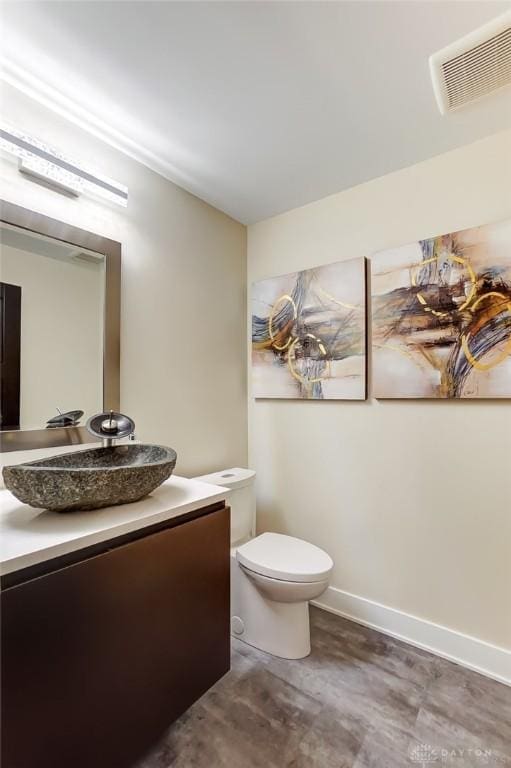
<point>59,329</point>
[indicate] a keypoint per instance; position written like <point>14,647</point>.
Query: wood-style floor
<point>360,700</point>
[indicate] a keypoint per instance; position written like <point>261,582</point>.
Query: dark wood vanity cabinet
<point>100,655</point>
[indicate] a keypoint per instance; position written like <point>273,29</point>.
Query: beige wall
<point>412,499</point>
<point>183,366</point>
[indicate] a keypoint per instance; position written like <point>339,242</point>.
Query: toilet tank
<point>241,499</point>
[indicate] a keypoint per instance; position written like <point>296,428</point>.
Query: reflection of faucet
<point>68,419</point>
<point>110,426</point>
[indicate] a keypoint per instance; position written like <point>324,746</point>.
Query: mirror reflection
<point>52,298</point>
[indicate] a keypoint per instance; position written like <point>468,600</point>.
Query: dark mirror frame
<point>17,439</point>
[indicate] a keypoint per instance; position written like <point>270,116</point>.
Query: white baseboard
<point>483,657</point>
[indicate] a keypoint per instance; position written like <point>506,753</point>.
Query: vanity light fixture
<point>38,160</point>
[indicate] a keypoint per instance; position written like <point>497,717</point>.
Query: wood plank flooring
<point>360,700</point>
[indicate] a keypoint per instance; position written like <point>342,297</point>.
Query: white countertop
<point>29,535</point>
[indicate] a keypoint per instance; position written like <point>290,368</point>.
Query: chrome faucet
<point>110,426</point>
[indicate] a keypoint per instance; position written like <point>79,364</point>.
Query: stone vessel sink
<point>98,477</point>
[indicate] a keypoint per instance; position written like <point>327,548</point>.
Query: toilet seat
<point>285,558</point>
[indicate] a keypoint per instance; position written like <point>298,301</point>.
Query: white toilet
<point>272,576</point>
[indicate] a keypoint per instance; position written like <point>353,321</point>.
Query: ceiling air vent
<point>474,66</point>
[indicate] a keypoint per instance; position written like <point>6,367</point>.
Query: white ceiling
<point>256,107</point>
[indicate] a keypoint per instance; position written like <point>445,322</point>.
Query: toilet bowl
<point>273,576</point>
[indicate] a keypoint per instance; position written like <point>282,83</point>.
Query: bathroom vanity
<point>113,623</point>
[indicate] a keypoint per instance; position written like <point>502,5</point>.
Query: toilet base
<point>279,628</point>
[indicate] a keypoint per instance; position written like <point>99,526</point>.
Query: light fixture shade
<point>43,162</point>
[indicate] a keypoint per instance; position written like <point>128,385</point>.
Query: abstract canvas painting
<point>309,333</point>
<point>441,316</point>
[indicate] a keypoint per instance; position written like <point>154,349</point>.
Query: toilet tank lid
<point>236,477</point>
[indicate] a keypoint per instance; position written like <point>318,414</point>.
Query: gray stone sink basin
<point>97,477</point>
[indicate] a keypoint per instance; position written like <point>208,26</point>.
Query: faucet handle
<point>110,425</point>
